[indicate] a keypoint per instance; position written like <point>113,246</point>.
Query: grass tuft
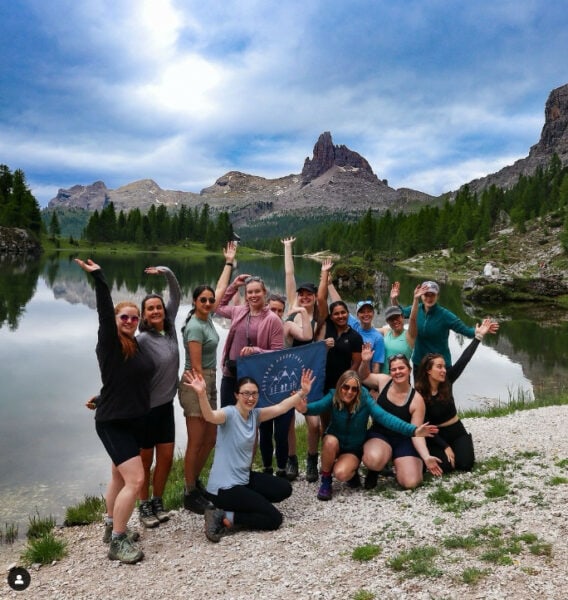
<point>39,526</point>
<point>88,511</point>
<point>365,553</point>
<point>44,550</point>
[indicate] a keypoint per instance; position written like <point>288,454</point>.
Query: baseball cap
<point>365,303</point>
<point>392,311</point>
<point>432,286</point>
<point>309,287</point>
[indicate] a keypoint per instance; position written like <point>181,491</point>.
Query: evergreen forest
<point>18,206</point>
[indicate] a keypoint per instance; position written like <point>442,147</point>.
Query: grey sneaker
<point>134,536</point>
<point>124,550</point>
<point>147,516</point>
<point>158,510</point>
<point>292,468</point>
<point>312,468</point>
<point>214,526</point>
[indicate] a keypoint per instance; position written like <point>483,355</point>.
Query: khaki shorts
<point>188,398</point>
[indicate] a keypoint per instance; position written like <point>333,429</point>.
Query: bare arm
<point>229,252</point>
<point>417,412</point>
<point>303,331</point>
<point>197,383</point>
<point>412,331</point>
<point>289,270</point>
<point>323,309</point>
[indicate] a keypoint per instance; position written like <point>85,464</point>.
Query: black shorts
<point>159,426</point>
<point>121,438</point>
<point>401,446</point>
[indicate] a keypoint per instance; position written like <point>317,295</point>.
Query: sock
<point>326,473</point>
<point>108,520</point>
<point>117,536</point>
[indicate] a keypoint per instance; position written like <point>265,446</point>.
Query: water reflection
<point>50,455</point>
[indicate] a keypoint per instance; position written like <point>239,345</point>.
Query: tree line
<point>18,206</point>
<point>159,227</point>
<point>469,218</point>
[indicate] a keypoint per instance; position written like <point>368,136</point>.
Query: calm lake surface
<point>50,455</point>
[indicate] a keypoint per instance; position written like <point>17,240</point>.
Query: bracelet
<point>229,265</point>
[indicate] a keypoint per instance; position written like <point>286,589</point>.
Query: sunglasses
<point>206,300</point>
<point>252,278</point>
<point>248,394</point>
<point>129,318</point>
<point>350,388</point>
<point>397,357</point>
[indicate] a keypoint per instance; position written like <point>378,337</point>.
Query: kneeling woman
<point>398,398</point>
<point>351,406</point>
<point>453,445</point>
<point>243,498</point>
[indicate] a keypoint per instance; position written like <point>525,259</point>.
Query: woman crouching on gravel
<point>243,498</point>
<point>351,405</point>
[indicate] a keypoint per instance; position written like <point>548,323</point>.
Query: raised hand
<point>395,292</point>
<point>153,270</point>
<point>366,352</point>
<point>288,241</point>
<point>89,266</point>
<point>326,265</point>
<point>307,380</point>
<point>195,381</point>
<point>230,251</point>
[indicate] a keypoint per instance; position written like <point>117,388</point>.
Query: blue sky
<point>433,93</point>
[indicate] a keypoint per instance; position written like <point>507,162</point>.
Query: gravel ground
<point>311,555</point>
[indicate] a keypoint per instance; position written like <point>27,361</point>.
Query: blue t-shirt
<point>233,450</point>
<point>370,336</point>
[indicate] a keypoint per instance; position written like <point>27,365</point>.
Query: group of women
<point>414,427</point>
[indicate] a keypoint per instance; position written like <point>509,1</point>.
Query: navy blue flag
<point>279,373</point>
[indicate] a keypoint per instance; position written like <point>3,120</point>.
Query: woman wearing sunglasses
<point>158,337</point>
<point>243,498</point>
<point>124,401</point>
<point>351,406</point>
<point>254,329</point>
<point>398,398</point>
<point>200,340</point>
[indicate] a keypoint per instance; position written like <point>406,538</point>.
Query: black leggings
<point>279,426</point>
<point>252,503</point>
<point>460,442</point>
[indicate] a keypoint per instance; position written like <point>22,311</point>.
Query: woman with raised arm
<point>453,445</point>
<point>305,296</point>
<point>158,337</point>
<point>399,340</point>
<point>434,323</point>
<point>200,340</point>
<point>124,402</point>
<point>351,405</point>
<point>243,498</point>
<point>254,329</point>
<point>399,398</point>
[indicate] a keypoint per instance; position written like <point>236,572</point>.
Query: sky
<point>433,93</point>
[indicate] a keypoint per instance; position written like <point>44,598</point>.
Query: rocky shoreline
<point>310,556</point>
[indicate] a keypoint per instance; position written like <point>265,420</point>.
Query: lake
<point>50,455</point>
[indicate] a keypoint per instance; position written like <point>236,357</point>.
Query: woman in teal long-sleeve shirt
<point>342,448</point>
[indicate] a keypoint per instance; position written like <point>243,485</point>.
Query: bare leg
<point>200,441</point>
<point>345,466</point>
<point>408,471</point>
<point>329,452</point>
<point>164,460</point>
<point>376,454</point>
<point>147,456</point>
<point>132,474</point>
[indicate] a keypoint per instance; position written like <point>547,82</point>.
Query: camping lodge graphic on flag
<point>279,373</point>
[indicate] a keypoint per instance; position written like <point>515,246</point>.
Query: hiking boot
<point>196,502</point>
<point>325,492</point>
<point>158,510</point>
<point>268,470</point>
<point>147,516</point>
<point>355,481</point>
<point>371,479</point>
<point>214,525</point>
<point>124,550</point>
<point>281,473</point>
<point>292,468</point>
<point>134,536</point>
<point>312,468</point>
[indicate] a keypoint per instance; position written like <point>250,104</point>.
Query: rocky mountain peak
<point>553,140</point>
<point>326,156</point>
